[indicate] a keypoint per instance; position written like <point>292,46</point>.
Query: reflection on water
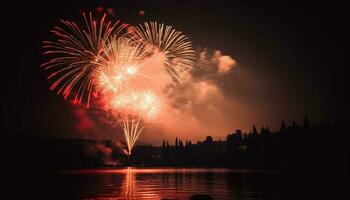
<point>129,189</point>
<point>171,183</point>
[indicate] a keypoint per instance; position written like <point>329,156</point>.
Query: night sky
<point>288,64</point>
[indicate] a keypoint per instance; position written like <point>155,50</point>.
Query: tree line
<point>287,146</point>
<point>291,145</point>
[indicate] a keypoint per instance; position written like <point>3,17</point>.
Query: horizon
<point>194,141</point>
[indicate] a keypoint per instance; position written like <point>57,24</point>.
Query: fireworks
<point>122,68</point>
<point>75,55</point>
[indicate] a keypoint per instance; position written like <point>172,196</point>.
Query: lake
<point>170,183</point>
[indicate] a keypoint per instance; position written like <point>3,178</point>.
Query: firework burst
<point>173,49</point>
<point>75,54</point>
<point>118,63</point>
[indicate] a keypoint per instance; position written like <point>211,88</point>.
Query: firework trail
<point>134,108</point>
<point>75,54</point>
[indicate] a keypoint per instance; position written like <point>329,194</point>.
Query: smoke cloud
<point>199,107</point>
<point>103,153</point>
<point>224,63</point>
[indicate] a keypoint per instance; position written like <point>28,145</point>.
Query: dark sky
<point>292,52</point>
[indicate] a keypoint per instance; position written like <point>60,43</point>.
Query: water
<point>170,183</point>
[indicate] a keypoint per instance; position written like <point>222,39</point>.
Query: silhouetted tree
<point>181,145</point>
<point>283,126</point>
<point>208,140</point>
<point>234,142</point>
<point>306,122</point>
<point>164,151</point>
<point>255,132</point>
<point>294,124</point>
